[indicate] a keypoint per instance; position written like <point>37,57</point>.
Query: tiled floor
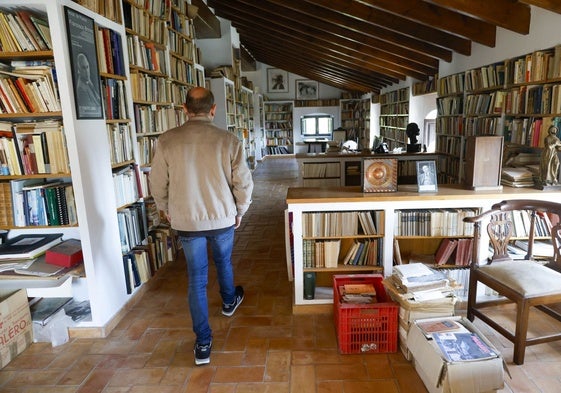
<point>262,348</point>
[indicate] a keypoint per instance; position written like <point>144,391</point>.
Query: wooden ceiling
<point>365,45</point>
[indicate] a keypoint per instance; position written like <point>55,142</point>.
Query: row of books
<point>24,31</point>
<point>492,75</point>
<point>329,169</point>
<point>109,51</point>
<point>33,148</point>
<point>114,102</point>
<point>434,222</point>
<point>456,252</point>
<point>345,223</point>
<point>484,104</point>
<point>133,226</point>
<point>120,137</point>
<point>29,89</point>
<point>146,55</point>
<point>125,182</point>
<point>536,66</point>
<point>367,252</point>
<point>40,203</point>
<point>321,253</point>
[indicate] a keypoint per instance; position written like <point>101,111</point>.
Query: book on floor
<point>461,347</point>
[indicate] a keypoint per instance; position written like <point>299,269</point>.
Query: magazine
<point>461,347</point>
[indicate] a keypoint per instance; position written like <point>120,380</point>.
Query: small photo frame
<point>307,89</point>
<point>379,175</point>
<point>277,80</point>
<point>83,59</point>
<point>426,176</point>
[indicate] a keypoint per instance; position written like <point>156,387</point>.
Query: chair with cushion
<point>525,282</point>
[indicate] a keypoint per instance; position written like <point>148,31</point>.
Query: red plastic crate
<point>365,328</point>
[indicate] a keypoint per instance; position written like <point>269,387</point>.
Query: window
<point>316,125</point>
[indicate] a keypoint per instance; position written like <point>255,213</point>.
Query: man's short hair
<point>201,103</point>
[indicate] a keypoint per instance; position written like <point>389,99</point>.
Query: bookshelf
<point>394,117</point>
<point>225,98</point>
<point>279,136</point>
<point>92,153</point>
<point>332,200</point>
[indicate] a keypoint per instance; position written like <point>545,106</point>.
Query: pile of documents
<point>423,282</point>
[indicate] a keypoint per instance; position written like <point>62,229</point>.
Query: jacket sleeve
<point>242,181</point>
<point>159,179</point>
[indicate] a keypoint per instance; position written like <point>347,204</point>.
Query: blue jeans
<point>195,249</point>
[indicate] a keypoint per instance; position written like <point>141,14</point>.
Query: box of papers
<point>16,331</point>
<point>455,357</point>
<point>366,327</point>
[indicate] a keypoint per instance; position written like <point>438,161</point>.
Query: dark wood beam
<point>440,18</point>
<point>507,14</point>
<point>551,5</point>
<point>401,27</point>
<point>424,53</point>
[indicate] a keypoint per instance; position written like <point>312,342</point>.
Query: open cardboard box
<point>16,331</point>
<point>442,376</point>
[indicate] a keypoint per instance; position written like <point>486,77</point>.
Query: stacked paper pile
<point>420,280</point>
<point>517,177</point>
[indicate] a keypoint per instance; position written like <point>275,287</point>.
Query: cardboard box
<point>442,376</point>
<point>16,330</point>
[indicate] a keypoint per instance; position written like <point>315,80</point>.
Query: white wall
<point>544,33</point>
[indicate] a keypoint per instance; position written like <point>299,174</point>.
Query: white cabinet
<point>302,201</point>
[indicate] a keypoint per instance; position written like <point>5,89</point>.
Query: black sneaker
<point>202,354</point>
<point>230,309</point>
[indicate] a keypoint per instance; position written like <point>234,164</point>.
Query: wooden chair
<point>525,282</point>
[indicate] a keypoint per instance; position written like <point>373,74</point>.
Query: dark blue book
<point>28,245</point>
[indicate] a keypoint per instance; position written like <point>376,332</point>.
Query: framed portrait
<point>277,80</point>
<point>307,89</point>
<point>379,175</point>
<point>426,176</point>
<point>83,59</point>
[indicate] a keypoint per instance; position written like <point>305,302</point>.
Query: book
<point>40,268</point>
<point>28,245</point>
<point>444,325</point>
<point>461,347</point>
<point>67,253</point>
<point>445,250</point>
<point>44,309</point>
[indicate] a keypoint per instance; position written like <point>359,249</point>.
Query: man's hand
<point>238,222</point>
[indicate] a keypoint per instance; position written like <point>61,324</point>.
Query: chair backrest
<point>500,227</point>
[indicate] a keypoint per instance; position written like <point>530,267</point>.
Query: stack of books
<point>517,177</point>
<point>420,280</point>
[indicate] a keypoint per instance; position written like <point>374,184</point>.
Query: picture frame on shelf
<point>307,89</point>
<point>426,176</point>
<point>277,80</point>
<point>83,61</point>
<point>380,175</point>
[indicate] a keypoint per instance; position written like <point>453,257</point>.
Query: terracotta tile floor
<point>262,348</point>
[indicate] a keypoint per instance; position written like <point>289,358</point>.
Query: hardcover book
<point>28,245</point>
<point>67,254</point>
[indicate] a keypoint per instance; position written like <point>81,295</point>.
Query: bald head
<point>200,101</point>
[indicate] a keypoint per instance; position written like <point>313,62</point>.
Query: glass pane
<point>309,126</point>
<point>325,125</point>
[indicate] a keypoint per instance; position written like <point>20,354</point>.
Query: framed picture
<point>380,175</point>
<point>277,80</point>
<point>83,59</point>
<point>307,89</point>
<point>426,176</point>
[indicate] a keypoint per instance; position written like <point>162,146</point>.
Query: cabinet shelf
<point>344,268</point>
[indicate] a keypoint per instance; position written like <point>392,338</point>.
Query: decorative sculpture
<point>549,166</point>
<point>412,132</point>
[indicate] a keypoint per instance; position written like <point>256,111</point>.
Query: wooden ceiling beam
<point>304,66</point>
<point>329,50</point>
<point>507,14</point>
<point>440,18</point>
<point>551,5</point>
<point>312,69</point>
<point>400,26</point>
<point>424,53</point>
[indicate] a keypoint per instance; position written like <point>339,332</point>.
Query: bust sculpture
<point>412,131</point>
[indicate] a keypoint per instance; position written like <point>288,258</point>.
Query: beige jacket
<point>199,176</point>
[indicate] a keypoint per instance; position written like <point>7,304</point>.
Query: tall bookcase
<point>355,119</point>
<point>225,98</point>
<point>90,157</point>
<point>394,116</point>
<point>278,127</point>
<point>518,98</point>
